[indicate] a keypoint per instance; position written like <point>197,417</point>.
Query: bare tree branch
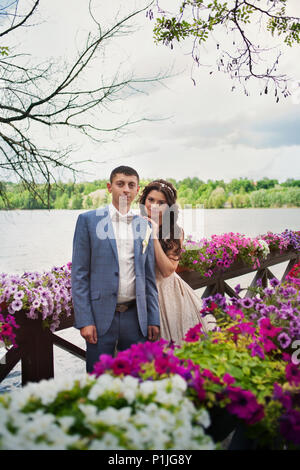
<point>48,96</point>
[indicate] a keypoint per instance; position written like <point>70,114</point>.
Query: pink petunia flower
<point>267,329</point>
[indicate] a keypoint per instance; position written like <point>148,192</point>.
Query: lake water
<point>38,240</point>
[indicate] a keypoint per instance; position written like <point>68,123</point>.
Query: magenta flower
<point>209,375</point>
<point>228,379</point>
<point>268,344</point>
<point>105,362</point>
<point>244,405</point>
<point>193,335</point>
<point>267,329</point>
<point>166,364</point>
<point>293,374</point>
<point>6,329</point>
<point>121,366</point>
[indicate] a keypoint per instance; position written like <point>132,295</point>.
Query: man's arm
<point>80,275</point>
<point>151,294</point>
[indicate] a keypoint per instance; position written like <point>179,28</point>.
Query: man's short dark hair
<point>125,170</point>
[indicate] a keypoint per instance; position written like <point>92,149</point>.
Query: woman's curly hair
<point>170,233</point>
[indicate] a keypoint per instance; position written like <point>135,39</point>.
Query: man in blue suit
<point>113,273</point>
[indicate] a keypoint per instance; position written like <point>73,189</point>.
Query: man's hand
<point>153,332</point>
<point>89,333</point>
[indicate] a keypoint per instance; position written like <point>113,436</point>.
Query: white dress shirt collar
<point>113,211</point>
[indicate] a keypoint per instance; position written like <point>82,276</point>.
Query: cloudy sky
<point>205,130</point>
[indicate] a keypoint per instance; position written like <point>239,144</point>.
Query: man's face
<point>124,189</point>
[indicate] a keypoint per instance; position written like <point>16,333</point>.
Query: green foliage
<point>221,355</point>
<point>4,51</point>
<point>199,19</point>
<point>238,193</point>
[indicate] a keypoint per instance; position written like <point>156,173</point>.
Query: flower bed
<point>246,369</point>
<point>218,254</point>
<point>46,296</point>
<point>102,414</point>
<point>221,375</point>
<point>154,396</point>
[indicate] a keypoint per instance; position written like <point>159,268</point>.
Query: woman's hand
<point>155,226</point>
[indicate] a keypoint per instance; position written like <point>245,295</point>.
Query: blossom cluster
<point>85,413</point>
<point>154,361</point>
<point>293,276</point>
<point>287,240</point>
<point>218,254</point>
<point>46,295</point>
<point>8,326</point>
<point>209,256</point>
<point>274,310</point>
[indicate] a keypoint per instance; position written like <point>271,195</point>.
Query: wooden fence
<point>35,343</point>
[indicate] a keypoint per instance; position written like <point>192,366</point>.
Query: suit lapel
<point>112,239</point>
<point>110,230</point>
<point>139,227</point>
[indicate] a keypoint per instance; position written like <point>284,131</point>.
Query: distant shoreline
<point>205,208</point>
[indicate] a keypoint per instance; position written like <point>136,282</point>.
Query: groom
<point>113,277</point>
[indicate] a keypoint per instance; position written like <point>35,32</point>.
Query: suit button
<point>116,274</point>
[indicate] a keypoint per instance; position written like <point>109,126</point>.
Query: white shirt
<point>125,246</point>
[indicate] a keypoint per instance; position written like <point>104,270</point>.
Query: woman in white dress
<point>179,305</point>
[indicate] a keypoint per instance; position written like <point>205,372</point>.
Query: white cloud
<point>211,132</point>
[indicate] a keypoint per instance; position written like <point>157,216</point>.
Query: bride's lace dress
<point>179,308</point>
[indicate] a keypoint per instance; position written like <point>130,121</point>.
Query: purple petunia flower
<point>16,305</point>
<point>284,340</point>
<point>237,289</point>
<point>274,282</point>
<point>256,350</point>
<point>19,295</point>
<point>247,302</point>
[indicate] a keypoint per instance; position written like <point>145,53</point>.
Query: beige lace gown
<point>179,308</point>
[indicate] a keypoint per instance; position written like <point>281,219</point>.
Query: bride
<point>179,305</point>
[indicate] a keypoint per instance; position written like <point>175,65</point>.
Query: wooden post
<point>36,347</point>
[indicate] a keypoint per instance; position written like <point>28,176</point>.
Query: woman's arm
<point>166,262</point>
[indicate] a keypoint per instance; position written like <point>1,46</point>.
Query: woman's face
<point>156,204</point>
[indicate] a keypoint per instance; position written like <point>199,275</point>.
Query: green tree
<point>266,183</point>
<point>76,202</point>
<point>259,198</point>
<point>88,203</point>
<point>62,202</point>
<point>217,198</point>
<point>246,55</point>
<point>240,201</point>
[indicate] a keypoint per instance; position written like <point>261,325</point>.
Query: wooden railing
<point>35,343</point>
<point>217,283</point>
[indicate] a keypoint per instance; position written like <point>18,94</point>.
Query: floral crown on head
<point>163,185</point>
